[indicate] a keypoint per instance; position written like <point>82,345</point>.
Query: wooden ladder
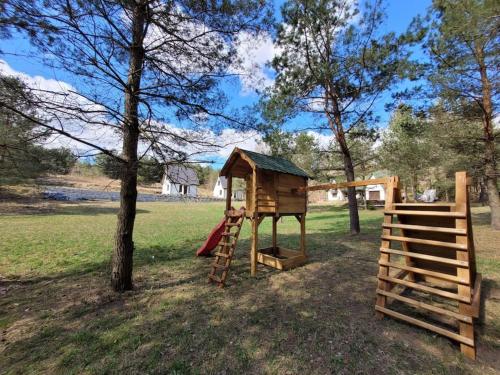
<point>225,252</point>
<point>437,249</point>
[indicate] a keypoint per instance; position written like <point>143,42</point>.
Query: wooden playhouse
<point>272,190</point>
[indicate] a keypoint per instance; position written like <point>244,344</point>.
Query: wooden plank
<point>426,213</point>
<point>476,296</point>
<point>424,288</point>
<point>266,204</point>
<point>219,254</point>
<point>264,209</point>
<point>462,200</point>
<point>270,261</point>
<point>220,266</point>
<point>255,228</point>
<point>451,245</point>
<point>229,191</point>
<point>421,271</point>
<point>274,232</point>
<point>303,234</point>
<point>425,325</point>
<point>215,278</point>
<point>418,204</point>
<point>454,262</point>
<point>426,306</point>
<point>426,228</point>
<point>390,199</point>
<point>375,181</point>
<point>288,252</point>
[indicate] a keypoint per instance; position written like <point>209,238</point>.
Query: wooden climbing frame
<point>433,272</point>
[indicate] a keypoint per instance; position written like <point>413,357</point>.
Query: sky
<point>14,61</point>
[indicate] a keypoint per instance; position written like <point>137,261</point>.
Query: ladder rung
<point>426,306</point>
<point>215,278</point>
<point>228,234</point>
<point>218,254</point>
<point>233,224</point>
<point>425,228</point>
<point>425,288</point>
<point>431,327</point>
<point>232,213</point>
<point>419,204</point>
<point>453,214</point>
<point>438,275</point>
<point>220,266</point>
<point>422,241</point>
<point>454,262</point>
<point>222,243</point>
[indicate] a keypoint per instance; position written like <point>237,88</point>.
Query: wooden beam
<point>390,199</point>
<point>426,306</point>
<point>409,254</point>
<point>461,206</point>
<point>375,181</point>
<point>424,288</point>
<point>255,226</point>
<point>303,234</point>
<point>425,228</point>
<point>275,240</point>
<point>229,191</point>
<point>426,325</point>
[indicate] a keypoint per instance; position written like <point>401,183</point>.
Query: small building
<point>375,192</point>
<point>220,190</point>
<point>336,194</point>
<point>180,180</point>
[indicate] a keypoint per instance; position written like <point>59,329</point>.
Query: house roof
<point>179,174</point>
<point>266,162</point>
<point>223,182</point>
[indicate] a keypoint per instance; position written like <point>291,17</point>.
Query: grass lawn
<point>58,315</point>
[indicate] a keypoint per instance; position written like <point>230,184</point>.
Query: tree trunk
<point>338,129</point>
<point>122,261</point>
<point>490,165</point>
<point>351,193</point>
<point>414,187</point>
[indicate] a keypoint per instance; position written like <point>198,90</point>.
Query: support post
<point>275,240</point>
<point>391,188</point>
<point>255,227</point>
<point>303,234</point>
<point>255,244</point>
<point>229,191</point>
<point>461,201</point>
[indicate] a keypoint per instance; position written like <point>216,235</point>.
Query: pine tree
<point>334,63</point>
<point>463,43</point>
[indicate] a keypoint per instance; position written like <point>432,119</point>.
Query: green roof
<point>274,163</point>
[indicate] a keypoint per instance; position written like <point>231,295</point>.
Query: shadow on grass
<point>315,319</point>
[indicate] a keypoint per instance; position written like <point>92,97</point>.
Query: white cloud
<point>56,91</point>
<point>233,138</point>
<point>254,53</point>
<point>323,140</point>
<point>206,141</point>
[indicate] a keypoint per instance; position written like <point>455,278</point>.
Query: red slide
<point>213,239</point>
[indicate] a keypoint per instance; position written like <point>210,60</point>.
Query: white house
<point>220,190</point>
<point>180,180</point>
<point>336,194</point>
<point>375,192</point>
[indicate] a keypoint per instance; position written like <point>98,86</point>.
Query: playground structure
<point>428,268</point>
<point>272,190</point>
<point>438,275</point>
